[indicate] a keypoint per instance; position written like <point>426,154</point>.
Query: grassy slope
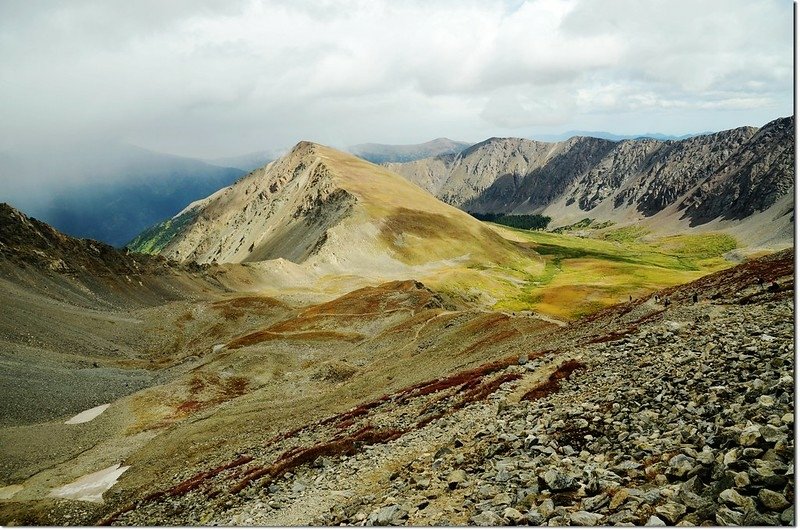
<point>583,275</point>
<point>155,238</point>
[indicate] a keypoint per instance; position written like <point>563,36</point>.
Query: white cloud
<point>221,78</point>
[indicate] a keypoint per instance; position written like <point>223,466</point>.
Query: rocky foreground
<point>643,415</point>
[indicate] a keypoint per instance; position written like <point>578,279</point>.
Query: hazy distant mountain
<point>725,177</point>
<point>249,161</point>
<point>382,153</point>
<point>611,136</point>
<point>110,192</point>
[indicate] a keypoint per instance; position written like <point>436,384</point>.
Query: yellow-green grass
<point>583,275</point>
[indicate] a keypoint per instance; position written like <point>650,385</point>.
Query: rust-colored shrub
<point>551,384</point>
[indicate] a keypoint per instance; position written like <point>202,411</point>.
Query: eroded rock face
<point>730,174</point>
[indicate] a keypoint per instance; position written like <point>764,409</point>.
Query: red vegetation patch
<point>485,389</point>
<point>460,378</point>
<point>429,418</point>
<point>551,385</point>
<point>297,456</point>
<point>267,335</point>
<point>187,407</point>
<point>192,483</point>
<point>179,489</point>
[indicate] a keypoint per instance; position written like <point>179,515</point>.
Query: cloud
<point>216,78</point>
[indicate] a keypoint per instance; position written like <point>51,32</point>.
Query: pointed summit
<point>325,208</point>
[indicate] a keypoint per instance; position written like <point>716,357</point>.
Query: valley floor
<point>393,405</point>
<point>685,417</point>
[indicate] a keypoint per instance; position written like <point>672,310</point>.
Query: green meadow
<point>584,274</point>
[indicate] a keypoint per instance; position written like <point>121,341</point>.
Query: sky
<point>210,79</point>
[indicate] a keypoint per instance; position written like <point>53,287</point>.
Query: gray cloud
<point>221,78</point>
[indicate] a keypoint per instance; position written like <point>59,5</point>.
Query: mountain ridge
<point>329,208</point>
<point>668,185</point>
<point>381,153</point>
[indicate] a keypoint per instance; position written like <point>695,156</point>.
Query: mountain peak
<point>330,209</point>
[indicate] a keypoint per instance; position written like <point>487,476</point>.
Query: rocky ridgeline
<point>688,422</point>
<point>685,418</point>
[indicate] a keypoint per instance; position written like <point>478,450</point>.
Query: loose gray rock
<point>655,521</point>
<point>584,518</point>
<point>772,500</point>
<point>671,511</point>
<point>389,515</point>
<point>487,518</point>
<point>680,465</point>
<point>557,480</point>
<point>513,516</point>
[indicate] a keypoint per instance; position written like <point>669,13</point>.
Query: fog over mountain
<point>106,191</point>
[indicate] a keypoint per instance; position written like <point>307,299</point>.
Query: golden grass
<point>583,275</point>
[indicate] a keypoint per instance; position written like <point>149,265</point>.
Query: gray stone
<point>731,457</point>
<point>546,508</point>
<point>749,453</point>
<point>741,479</point>
<point>388,515</point>
<point>787,517</point>
<point>705,457</point>
<point>772,434</point>
<point>621,518</point>
<point>772,500</point>
<point>655,521</point>
<point>502,476</point>
<point>727,517</point>
<point>619,497</point>
<point>734,498</point>
<point>502,499</point>
<point>513,516</point>
<point>421,482</point>
<point>584,518</point>
<point>671,511</point>
<point>487,518</point>
<point>534,518</point>
<point>680,465</point>
<point>557,480</point>
<point>591,504</point>
<point>750,435</point>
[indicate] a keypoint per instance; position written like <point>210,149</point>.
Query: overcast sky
<point>208,79</point>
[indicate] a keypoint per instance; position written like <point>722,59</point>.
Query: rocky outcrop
<point>729,175</point>
<point>750,180</point>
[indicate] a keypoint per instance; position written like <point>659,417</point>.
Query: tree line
<point>525,222</point>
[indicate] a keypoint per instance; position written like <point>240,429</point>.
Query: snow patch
<point>87,415</point>
<point>92,486</point>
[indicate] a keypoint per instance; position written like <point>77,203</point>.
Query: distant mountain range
<point>716,180</point>
<point>382,153</point>
<point>611,136</point>
<point>113,192</point>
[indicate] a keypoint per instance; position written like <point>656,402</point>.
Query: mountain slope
<point>383,153</point>
<point>668,185</point>
<point>112,194</point>
<point>325,207</point>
